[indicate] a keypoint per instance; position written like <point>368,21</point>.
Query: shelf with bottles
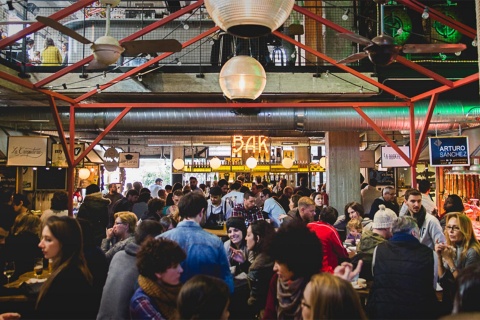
<point>275,167</point>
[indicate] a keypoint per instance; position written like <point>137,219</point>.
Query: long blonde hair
<point>466,228</point>
<point>68,232</point>
<point>334,298</point>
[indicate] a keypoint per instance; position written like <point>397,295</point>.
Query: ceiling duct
<point>448,115</point>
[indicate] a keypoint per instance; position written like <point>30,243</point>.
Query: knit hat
<point>237,223</point>
<point>384,218</point>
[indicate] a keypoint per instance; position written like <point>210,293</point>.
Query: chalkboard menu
<point>384,178</point>
<point>52,179</point>
<point>8,178</point>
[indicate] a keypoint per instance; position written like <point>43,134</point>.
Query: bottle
<point>215,177</point>
<point>278,158</point>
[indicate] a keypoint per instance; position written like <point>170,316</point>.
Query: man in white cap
<point>381,232</point>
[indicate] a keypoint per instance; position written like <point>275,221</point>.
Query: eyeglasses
<point>454,228</point>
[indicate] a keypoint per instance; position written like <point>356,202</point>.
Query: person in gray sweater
<point>122,275</point>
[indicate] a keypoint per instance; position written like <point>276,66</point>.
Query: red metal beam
<point>382,134</point>
<point>30,86</point>
<point>134,36</point>
<point>102,135</point>
<point>440,17</point>
<point>37,25</point>
<point>456,84</point>
<point>426,124</point>
<point>413,166</point>
<point>429,73</point>
<point>341,66</point>
<point>145,65</point>
<point>61,132</point>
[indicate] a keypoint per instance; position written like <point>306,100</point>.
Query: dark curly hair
<point>158,255</point>
<point>289,245</point>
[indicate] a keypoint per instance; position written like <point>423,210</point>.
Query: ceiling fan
<point>106,49</point>
<point>383,51</point>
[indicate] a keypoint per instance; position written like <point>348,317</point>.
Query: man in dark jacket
<point>124,204</point>
<point>95,210</point>
<point>403,276</point>
<point>387,199</point>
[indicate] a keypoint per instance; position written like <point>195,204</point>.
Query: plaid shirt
<point>251,215</point>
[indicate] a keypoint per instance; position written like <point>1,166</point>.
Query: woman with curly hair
<point>68,292</point>
<point>158,263</point>
<point>293,269</point>
<point>461,250</point>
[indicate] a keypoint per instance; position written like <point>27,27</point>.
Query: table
<point>17,283</point>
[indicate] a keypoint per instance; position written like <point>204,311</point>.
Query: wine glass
<point>9,270</point>
<point>38,267</point>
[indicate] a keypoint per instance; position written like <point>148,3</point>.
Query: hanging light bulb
<point>178,164</point>
<point>400,31</point>
<point>474,42</point>
<point>425,14</point>
<point>163,160</point>
<point>345,15</point>
<point>360,90</point>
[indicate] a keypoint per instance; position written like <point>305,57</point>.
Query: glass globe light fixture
<point>83,173</point>
<point>242,78</point>
<point>251,162</point>
<point>215,163</point>
<point>178,164</point>
<point>287,163</point>
<point>323,162</point>
<point>249,18</point>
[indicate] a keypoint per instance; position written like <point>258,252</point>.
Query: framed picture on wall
<point>27,151</point>
<point>129,160</point>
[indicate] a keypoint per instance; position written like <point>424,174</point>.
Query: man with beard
<point>217,209</point>
<point>248,210</point>
<point>430,229</point>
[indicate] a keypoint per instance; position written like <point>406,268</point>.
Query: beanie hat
<point>93,188</point>
<point>237,223</point>
<point>384,218</point>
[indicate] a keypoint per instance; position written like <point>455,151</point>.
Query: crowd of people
<point>287,254</point>
<point>50,55</point>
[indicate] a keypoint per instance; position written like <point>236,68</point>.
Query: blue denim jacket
<point>205,252</point>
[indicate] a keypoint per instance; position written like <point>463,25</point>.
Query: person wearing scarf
<point>158,263</point>
<point>293,269</point>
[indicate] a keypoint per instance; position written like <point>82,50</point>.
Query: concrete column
<point>177,152</point>
<point>343,167</point>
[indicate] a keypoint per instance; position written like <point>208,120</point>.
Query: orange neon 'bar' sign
<point>255,144</point>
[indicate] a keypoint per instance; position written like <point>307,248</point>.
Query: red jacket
<point>332,245</point>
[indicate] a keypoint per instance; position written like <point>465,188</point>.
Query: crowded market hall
<point>254,159</point>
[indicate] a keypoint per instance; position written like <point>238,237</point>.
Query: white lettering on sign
<point>253,143</point>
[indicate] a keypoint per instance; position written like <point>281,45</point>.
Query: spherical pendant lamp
<point>178,164</point>
<point>83,173</point>
<point>242,78</point>
<point>251,162</point>
<point>249,18</point>
<point>215,163</point>
<point>287,163</point>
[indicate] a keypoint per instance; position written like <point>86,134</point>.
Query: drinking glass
<point>38,267</point>
<point>9,270</point>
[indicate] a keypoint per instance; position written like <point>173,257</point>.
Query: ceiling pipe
<point>448,115</point>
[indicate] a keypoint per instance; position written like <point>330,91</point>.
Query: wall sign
<point>391,158</point>
<point>129,160</point>
<point>449,151</point>
<point>27,151</point>
<point>254,144</point>
<point>59,158</point>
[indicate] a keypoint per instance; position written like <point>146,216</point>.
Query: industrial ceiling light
<point>163,159</point>
<point>251,162</point>
<point>178,164</point>
<point>345,15</point>
<point>249,18</point>
<point>425,14</point>
<point>215,163</point>
<point>242,78</point>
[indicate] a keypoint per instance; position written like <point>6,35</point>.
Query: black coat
<point>95,210</point>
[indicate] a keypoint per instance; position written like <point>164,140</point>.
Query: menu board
<point>8,178</point>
